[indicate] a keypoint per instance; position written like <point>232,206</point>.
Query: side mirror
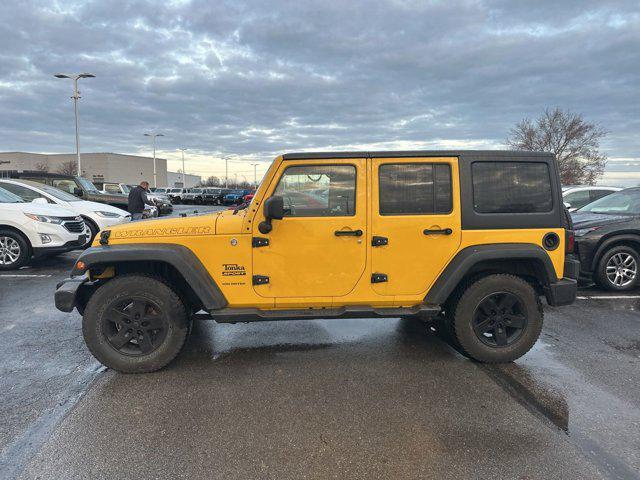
<point>77,192</point>
<point>273,210</point>
<point>40,201</point>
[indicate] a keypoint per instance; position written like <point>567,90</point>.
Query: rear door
<point>415,222</point>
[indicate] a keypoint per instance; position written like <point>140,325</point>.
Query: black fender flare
<point>468,257</point>
<point>606,243</point>
<point>178,256</point>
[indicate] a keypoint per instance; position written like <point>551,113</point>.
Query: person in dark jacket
<point>137,200</point>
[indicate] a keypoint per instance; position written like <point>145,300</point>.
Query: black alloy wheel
<point>499,319</point>
<point>135,326</point>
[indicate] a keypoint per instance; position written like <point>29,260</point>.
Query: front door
<point>415,222</point>
<point>319,248</point>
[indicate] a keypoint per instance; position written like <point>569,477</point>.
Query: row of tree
<point>214,181</point>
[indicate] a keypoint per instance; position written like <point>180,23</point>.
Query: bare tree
<point>69,167</point>
<point>42,166</point>
<point>574,141</point>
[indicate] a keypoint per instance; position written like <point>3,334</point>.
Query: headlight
<point>108,214</point>
<point>583,231</point>
<point>44,218</point>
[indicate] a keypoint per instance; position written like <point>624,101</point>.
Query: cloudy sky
<point>254,79</point>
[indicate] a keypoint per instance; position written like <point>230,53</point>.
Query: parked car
<point>577,196</point>
<point>234,197</point>
<point>97,216</point>
<point>194,197</point>
<point>214,196</point>
<point>176,194</point>
<point>427,234</point>
<point>607,240</point>
<point>37,228</point>
<point>162,203</point>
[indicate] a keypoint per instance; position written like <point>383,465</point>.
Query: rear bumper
<point>67,293</point>
<point>564,291</point>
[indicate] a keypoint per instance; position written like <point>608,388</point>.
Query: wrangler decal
<point>163,232</point>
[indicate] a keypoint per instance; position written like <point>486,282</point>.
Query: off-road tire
<point>140,286</point>
<point>23,244</point>
<point>601,272</point>
<point>469,299</point>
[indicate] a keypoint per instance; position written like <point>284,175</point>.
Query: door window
<point>578,199</point>
<point>24,193</point>
<point>318,191</point>
<point>65,185</point>
<point>415,189</point>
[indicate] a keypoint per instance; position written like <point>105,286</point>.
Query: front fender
<point>185,262</point>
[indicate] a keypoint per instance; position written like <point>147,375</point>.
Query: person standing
<point>138,199</point>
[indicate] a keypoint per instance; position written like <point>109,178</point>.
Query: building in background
<point>97,167</point>
<point>175,180</point>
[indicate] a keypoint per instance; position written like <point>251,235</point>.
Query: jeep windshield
<point>625,202</point>
<point>8,197</point>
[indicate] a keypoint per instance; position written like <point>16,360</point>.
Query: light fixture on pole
<point>75,97</point>
<point>255,174</point>
<point>155,175</point>
<point>184,178</point>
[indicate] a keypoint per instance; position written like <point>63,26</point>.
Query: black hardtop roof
<point>417,153</point>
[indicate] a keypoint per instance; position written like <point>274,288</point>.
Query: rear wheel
<point>497,319</point>
<point>135,324</point>
<point>618,269</point>
<point>14,250</point>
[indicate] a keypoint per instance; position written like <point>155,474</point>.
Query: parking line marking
<point>608,297</point>
<point>26,276</point>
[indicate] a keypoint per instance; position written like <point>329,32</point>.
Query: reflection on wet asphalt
<point>366,398</point>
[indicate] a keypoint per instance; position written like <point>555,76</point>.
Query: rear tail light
<point>569,241</point>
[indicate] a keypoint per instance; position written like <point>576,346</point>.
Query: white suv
<point>97,216</point>
<point>34,229</point>
<point>577,196</point>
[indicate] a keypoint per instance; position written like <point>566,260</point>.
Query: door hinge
<point>260,279</point>
<point>379,241</point>
<point>257,242</point>
<point>379,277</point>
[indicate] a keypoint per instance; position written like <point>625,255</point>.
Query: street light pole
<point>75,97</point>
<point>255,174</point>
<point>226,172</point>
<point>155,175</point>
<point>184,178</point>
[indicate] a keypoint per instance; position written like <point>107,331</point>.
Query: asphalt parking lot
<point>364,398</point>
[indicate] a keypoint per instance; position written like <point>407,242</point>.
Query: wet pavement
<point>364,398</point>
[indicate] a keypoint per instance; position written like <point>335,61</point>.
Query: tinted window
<point>24,193</point>
<point>511,187</point>
<point>597,194</point>
<point>68,186</point>
<point>414,189</point>
<point>626,202</point>
<point>318,191</point>
<point>578,199</point>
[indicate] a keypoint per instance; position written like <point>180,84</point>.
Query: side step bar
<point>233,315</point>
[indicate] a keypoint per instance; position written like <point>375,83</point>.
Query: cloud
<point>254,79</point>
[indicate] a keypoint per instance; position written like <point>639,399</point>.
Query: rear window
<point>415,188</point>
<point>511,187</point>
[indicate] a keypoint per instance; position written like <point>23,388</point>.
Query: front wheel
<point>497,319</point>
<point>135,324</point>
<point>14,250</point>
<point>618,269</point>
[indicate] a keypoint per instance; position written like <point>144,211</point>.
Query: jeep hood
<point>195,225</point>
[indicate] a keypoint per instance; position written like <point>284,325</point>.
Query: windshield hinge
<point>257,242</point>
<point>104,237</point>
<point>379,278</point>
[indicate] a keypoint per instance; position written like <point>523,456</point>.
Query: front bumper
<point>67,247</point>
<point>67,293</point>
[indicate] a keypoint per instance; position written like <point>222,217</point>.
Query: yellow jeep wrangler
<point>471,239</point>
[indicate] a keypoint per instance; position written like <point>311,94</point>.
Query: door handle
<point>441,231</point>
<point>347,233</point>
